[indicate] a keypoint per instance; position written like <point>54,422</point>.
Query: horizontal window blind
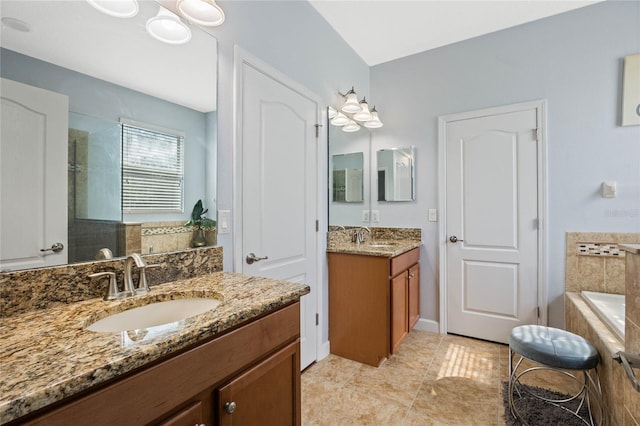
<point>152,170</point>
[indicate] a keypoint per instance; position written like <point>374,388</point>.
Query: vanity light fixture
<point>363,114</point>
<point>203,12</point>
<point>340,119</point>
<point>351,126</point>
<point>351,104</point>
<point>351,114</point>
<point>167,27</point>
<point>117,8</point>
<point>374,122</point>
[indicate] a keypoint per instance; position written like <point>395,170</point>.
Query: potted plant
<point>201,223</point>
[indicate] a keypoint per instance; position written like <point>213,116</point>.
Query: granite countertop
<point>383,248</point>
<point>47,355</point>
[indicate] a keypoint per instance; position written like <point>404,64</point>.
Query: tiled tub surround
<point>402,239</point>
<point>582,320</point>
<point>44,288</point>
<point>47,354</point>
<point>632,327</point>
<point>157,237</point>
<point>169,236</point>
<point>595,262</point>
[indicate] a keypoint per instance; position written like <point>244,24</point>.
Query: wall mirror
<point>396,174</point>
<point>111,69</point>
<point>348,201</point>
<point>348,178</point>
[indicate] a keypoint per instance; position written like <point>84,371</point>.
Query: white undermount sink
<point>154,314</point>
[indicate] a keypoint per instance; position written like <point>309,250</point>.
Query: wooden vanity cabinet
<point>256,366</point>
<point>373,303</point>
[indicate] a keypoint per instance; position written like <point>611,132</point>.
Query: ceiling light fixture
<point>202,12</point>
<point>351,114</point>
<point>16,24</point>
<point>168,28</point>
<point>117,8</point>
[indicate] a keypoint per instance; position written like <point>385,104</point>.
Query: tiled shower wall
<point>594,262</point>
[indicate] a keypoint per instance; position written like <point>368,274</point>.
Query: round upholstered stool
<point>562,351</point>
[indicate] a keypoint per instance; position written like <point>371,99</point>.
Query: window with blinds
<point>152,169</point>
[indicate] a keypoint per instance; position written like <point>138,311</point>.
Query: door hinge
<point>538,311</point>
<point>317,319</point>
<point>317,225</point>
<point>317,130</point>
<point>536,134</point>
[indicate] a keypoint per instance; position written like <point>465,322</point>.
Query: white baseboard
<point>324,350</point>
<point>427,325</point>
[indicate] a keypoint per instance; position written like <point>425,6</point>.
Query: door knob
<point>454,239</point>
<point>251,257</point>
<point>230,407</point>
<point>54,248</point>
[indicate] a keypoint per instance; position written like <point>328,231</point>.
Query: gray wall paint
<point>294,39</point>
<point>574,61</point>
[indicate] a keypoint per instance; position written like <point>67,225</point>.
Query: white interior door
<point>33,176</point>
<point>279,157</point>
<point>492,212</point>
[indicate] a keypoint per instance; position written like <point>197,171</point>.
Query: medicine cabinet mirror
<point>348,179</point>
<point>396,174</point>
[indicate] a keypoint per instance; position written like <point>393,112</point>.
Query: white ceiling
<point>74,35</point>
<point>381,31</point>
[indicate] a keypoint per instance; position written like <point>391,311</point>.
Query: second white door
<point>279,156</point>
<point>492,224</point>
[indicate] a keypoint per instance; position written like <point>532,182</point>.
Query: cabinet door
<point>267,394</point>
<point>414,295</point>
<point>399,310</point>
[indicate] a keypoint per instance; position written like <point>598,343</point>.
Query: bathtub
<point>610,308</point>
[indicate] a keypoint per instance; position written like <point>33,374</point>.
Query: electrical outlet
<point>433,215</point>
<point>375,216</point>
<point>365,216</point>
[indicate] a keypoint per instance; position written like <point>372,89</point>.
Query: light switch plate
<point>375,216</point>
<point>365,216</point>
<point>224,221</point>
<point>433,215</point>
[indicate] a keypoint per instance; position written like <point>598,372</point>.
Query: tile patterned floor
<point>433,380</point>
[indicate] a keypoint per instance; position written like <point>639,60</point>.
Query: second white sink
<point>154,314</point>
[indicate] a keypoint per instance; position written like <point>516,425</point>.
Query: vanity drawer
<point>404,261</point>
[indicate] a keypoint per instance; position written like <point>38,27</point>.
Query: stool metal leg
<point>588,386</point>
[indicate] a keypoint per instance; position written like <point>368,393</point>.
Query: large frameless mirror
<point>114,73</point>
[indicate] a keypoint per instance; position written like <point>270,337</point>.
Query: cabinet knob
<point>230,407</point>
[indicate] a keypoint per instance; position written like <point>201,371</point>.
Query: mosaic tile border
<point>163,230</point>
<point>599,249</point>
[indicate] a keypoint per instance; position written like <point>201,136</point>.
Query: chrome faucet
<point>358,235</point>
<point>129,288</point>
